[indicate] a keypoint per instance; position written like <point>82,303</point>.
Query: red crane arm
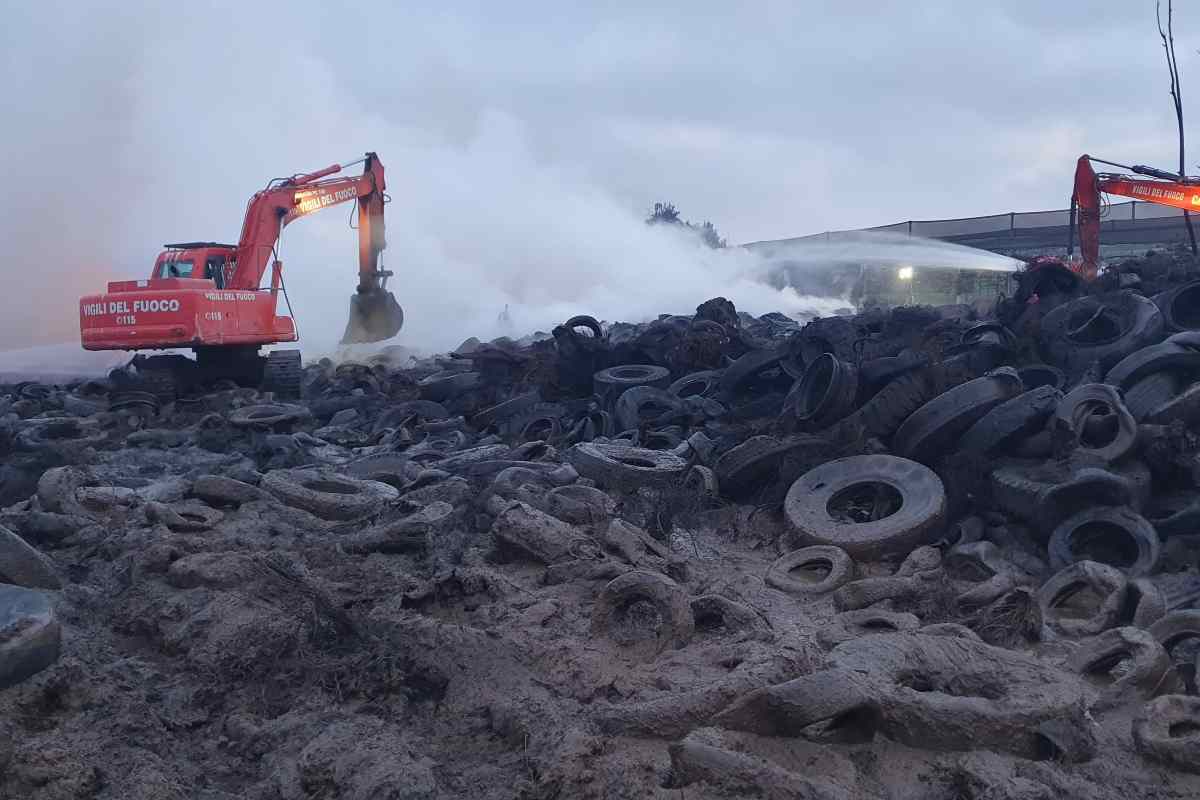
<point>276,206</point>
<point>1089,185</point>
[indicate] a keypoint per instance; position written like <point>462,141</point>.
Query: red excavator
<point>1164,188</point>
<point>206,296</point>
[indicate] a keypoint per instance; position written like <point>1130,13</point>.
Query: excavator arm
<point>374,312</point>
<point>1162,188</point>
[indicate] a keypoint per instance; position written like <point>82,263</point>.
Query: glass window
<point>214,269</point>
<point>176,269</point>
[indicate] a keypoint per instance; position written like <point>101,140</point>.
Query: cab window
<point>176,269</point>
<point>214,269</point>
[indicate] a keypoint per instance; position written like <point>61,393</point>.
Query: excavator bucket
<point>374,316</point>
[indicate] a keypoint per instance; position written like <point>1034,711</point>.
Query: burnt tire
<point>1176,627</point>
<point>1105,582</point>
<point>1166,731</point>
<point>712,612</point>
<point>675,621</point>
<point>643,404</point>
<point>328,495</point>
<point>1007,425</point>
<point>1118,537</point>
<point>32,637</point>
<point>832,567</point>
<point>1096,416</point>
<point>1149,664</point>
<point>283,373</point>
<point>268,415</point>
<point>901,505</point>
<point>623,467</point>
<point>931,430</point>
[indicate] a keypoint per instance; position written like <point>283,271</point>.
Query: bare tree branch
<point>1168,43</point>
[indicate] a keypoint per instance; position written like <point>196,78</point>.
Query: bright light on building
<point>905,273</point>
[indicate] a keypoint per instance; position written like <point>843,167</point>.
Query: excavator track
<point>282,374</point>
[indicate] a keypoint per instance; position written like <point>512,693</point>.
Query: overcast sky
<point>524,139</point>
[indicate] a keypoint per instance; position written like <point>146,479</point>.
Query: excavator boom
<point>1162,188</point>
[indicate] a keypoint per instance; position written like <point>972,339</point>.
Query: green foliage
<point>667,214</point>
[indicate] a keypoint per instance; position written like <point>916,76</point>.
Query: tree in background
<point>1168,43</point>
<point>667,214</point>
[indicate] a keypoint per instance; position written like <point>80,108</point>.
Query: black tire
<point>1100,328</point>
<point>448,385</point>
<point>884,413</point>
<point>1036,375</point>
<point>750,366</point>
<point>1183,407</point>
<point>1099,404</point>
<point>697,384</point>
<point>1166,355</point>
<point>283,373</point>
<point>633,403</point>
<point>930,431</point>
<point>907,505</point>
<point>1151,393</point>
<point>755,462</point>
<point>398,414</point>
<point>503,411</point>
<point>159,382</point>
<point>1008,424</point>
<point>608,384</point>
<point>585,321</point>
<point>825,394</point>
<point>542,421</point>
<point>1114,536</point>
<point>1180,307</point>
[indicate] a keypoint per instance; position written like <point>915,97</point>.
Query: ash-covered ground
<point>921,553</point>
